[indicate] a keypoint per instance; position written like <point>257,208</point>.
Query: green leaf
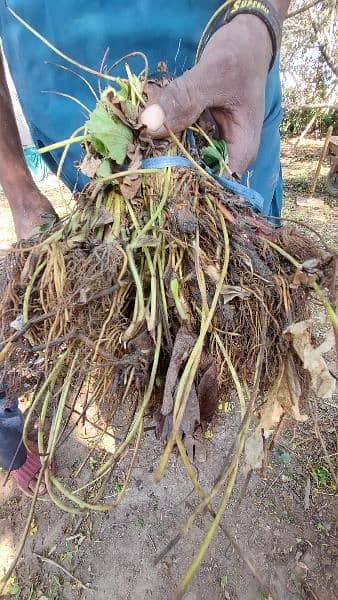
<point>137,84</point>
<point>110,137</point>
<point>211,156</point>
<point>222,148</point>
<point>124,92</point>
<point>322,476</point>
<point>57,580</point>
<point>15,589</point>
<point>117,488</point>
<point>223,582</point>
<point>68,556</point>
<point>98,145</point>
<point>104,170</point>
<point>216,154</point>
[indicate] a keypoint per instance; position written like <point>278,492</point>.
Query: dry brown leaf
<point>183,345</point>
<point>208,392</point>
<point>282,398</point>
<point>132,183</point>
<point>312,358</point>
<point>89,165</point>
<point>301,278</point>
<point>191,416</point>
<point>104,217</point>
<point>229,291</point>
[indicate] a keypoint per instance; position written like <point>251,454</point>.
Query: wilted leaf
<point>208,392</point>
<point>311,265</point>
<point>229,292</point>
<point>18,323</point>
<point>321,380</point>
<point>104,217</point>
<point>282,398</point>
<point>184,343</point>
<point>109,136</point>
<point>148,241</point>
<point>132,183</point>
<point>90,165</point>
<point>191,415</point>
<point>302,278</point>
<point>29,268</point>
<point>131,186</point>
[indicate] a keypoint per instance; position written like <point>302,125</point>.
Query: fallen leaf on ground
<point>282,398</point>
<point>322,382</point>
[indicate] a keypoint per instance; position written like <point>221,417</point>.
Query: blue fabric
<point>248,194</point>
<point>11,427</point>
<point>35,163</point>
<point>164,31</point>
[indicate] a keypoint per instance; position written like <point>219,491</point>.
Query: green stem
<point>175,292</point>
<point>25,306</point>
<point>63,143</point>
<point>233,373</point>
<point>59,53</point>
<point>158,211</point>
<point>53,374</point>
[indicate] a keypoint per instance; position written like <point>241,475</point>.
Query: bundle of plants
<point>159,296</point>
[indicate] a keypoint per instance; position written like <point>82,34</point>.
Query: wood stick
<point>321,158</point>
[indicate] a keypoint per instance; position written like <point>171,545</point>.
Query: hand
<point>30,210</point>
<point>229,80</point>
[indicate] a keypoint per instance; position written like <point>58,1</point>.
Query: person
<point>236,78</point>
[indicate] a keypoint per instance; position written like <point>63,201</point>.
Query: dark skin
<point>27,204</point>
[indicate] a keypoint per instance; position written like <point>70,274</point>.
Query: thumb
<point>177,105</point>
<point>242,133</point>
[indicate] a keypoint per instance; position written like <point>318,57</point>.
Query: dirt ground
<point>286,525</point>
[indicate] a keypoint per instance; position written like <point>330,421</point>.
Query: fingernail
<point>153,117</point>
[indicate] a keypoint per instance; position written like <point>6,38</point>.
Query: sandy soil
<point>286,525</point>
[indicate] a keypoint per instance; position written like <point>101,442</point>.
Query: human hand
<point>30,209</point>
<point>229,80</point>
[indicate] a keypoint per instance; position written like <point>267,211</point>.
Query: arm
<point>229,79</point>
<point>282,7</point>
<point>26,201</point>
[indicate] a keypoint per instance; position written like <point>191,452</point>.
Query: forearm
<point>28,205</point>
<point>13,169</point>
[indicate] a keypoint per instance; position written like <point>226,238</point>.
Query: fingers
<point>178,105</point>
<point>242,131</point>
